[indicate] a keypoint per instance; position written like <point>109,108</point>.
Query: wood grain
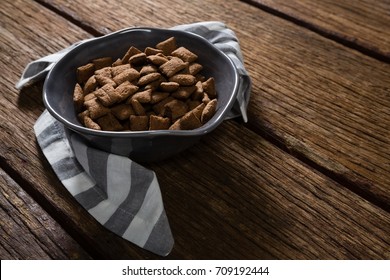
<point>233,195</point>
<point>265,202</point>
<point>302,83</point>
<point>363,24</point>
<point>27,231</point>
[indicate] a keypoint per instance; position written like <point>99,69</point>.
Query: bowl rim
<point>204,129</point>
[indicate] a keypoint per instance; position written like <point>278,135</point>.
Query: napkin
<point>120,194</point>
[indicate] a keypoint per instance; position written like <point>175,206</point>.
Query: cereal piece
<point>160,88</point>
<point>185,54</point>
<point>155,84</point>
<point>194,68</point>
<point>130,52</point>
<point>116,70</point>
<point>103,76</point>
<point>175,109</point>
<point>206,99</point>
<point>90,85</point>
<point>169,86</point>
<point>198,93</point>
<point>143,96</point>
<point>172,66</point>
<point>137,107</point>
<point>102,62</point>
<point>81,116</point>
<point>209,87</point>
<point>106,72</point>
<point>167,46</point>
<point>175,125</point>
<point>128,75</point>
<point>137,59</point>
<point>183,79</point>
<point>151,51</point>
<point>84,72</point>
<point>109,96</point>
<point>184,92</point>
<point>198,110</point>
<point>157,59</point>
<point>189,121</point>
<point>89,123</point>
<point>124,91</point>
<point>78,97</point>
<point>158,123</point>
<point>117,62</point>
<point>147,69</point>
<point>209,111</point>
<point>139,123</point>
<point>89,96</point>
<point>144,80</point>
<point>106,95</point>
<point>158,108</point>
<point>157,96</point>
<point>95,108</point>
<point>102,80</point>
<point>200,77</point>
<point>122,111</point>
<point>109,122</point>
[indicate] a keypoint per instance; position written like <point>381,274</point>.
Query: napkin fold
<point>119,193</point>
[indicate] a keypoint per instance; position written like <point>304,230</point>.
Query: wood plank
<point>244,196</point>
<point>359,23</point>
<point>252,201</point>
<point>302,82</point>
<point>27,231</point>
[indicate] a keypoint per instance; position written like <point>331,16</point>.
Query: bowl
<point>140,146</point>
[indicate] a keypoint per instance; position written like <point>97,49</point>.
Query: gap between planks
<point>321,31</point>
<point>344,181</point>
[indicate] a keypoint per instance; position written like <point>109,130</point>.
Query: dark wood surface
<point>306,178</point>
<point>362,24</point>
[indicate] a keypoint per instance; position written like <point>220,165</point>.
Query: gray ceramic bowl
<point>144,146</point>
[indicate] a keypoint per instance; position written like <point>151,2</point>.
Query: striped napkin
<point>120,194</point>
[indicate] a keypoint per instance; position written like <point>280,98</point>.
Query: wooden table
<point>308,177</point>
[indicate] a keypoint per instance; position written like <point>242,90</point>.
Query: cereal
<point>175,109</point>
<point>184,92</point>
<point>147,79</point>
<point>184,54</point>
<point>194,68</point>
<point>78,97</point>
<point>88,122</point>
<point>109,122</point>
<point>158,123</point>
<point>157,59</point>
<point>139,123</point>
<point>90,85</point>
<point>159,88</point>
<point>171,67</point>
<point>183,79</point>
<point>84,72</point>
<point>167,46</point>
<point>169,86</point>
<point>102,62</point>
<point>122,111</point>
<point>137,59</point>
<point>209,87</point>
<point>209,111</point>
